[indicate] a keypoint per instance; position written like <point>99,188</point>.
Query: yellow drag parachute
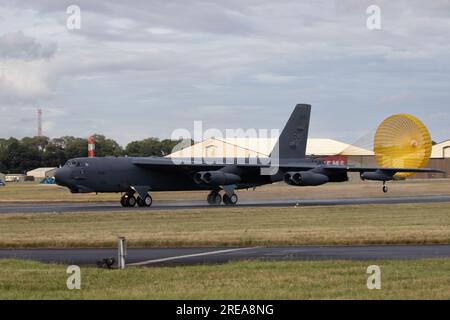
<point>402,141</point>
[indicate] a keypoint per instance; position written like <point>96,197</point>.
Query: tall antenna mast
<point>39,122</point>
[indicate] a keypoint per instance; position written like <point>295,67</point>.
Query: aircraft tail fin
<point>294,137</point>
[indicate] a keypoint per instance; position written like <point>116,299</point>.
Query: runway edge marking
<point>143,263</point>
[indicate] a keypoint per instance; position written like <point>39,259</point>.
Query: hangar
<point>42,173</point>
<point>15,178</point>
<point>440,159</point>
<point>441,150</point>
<point>261,148</point>
<point>331,151</point>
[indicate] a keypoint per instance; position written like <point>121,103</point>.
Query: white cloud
<point>23,80</point>
<point>398,97</point>
<point>160,31</point>
<point>141,66</point>
<point>270,78</point>
<point>17,45</point>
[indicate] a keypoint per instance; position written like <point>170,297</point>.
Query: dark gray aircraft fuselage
<point>119,174</point>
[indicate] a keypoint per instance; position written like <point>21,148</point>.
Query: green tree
<point>18,156</point>
<point>54,154</point>
<point>22,156</point>
<point>142,148</point>
<point>72,147</point>
<point>4,155</point>
<point>150,147</point>
<point>106,147</point>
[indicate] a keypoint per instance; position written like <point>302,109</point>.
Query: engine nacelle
<point>378,175</point>
<point>216,178</point>
<point>305,178</point>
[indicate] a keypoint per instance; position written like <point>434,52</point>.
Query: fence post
<point>122,252</point>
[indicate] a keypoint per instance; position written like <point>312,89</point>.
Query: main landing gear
<point>128,200</point>
<point>230,200</point>
<point>215,199</point>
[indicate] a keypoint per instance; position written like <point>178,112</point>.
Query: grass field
<point>421,279</point>
<point>343,225</point>
<point>33,192</point>
<point>340,225</point>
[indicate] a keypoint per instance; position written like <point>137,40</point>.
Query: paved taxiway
<point>38,207</point>
<point>191,256</point>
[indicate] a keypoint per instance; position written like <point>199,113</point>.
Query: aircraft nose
<point>62,176</point>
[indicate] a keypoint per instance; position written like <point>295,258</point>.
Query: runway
<point>60,207</point>
<point>194,256</point>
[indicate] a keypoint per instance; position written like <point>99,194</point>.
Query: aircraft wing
<point>210,165</point>
<point>380,174</point>
<point>191,167</point>
<point>390,170</point>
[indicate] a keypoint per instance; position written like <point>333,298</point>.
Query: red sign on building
<point>336,161</point>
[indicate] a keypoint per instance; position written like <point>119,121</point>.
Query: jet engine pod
<point>305,178</point>
<point>378,175</point>
<point>402,141</point>
<point>216,178</point>
<point>198,177</point>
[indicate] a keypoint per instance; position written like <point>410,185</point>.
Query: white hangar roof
<point>263,147</point>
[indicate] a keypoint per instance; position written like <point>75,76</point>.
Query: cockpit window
<point>72,163</point>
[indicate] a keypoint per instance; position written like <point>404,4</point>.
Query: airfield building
<point>440,159</point>
<point>15,178</point>
<point>331,151</point>
<point>327,149</point>
<point>441,150</point>
<point>42,173</point>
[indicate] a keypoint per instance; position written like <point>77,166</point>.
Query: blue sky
<point>144,68</point>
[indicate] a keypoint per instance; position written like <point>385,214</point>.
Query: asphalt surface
<point>115,206</point>
<point>192,256</point>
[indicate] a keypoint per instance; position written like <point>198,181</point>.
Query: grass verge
<point>421,279</point>
<point>341,225</point>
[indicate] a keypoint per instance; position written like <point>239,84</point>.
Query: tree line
<point>19,156</point>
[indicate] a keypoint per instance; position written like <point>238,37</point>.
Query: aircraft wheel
<point>385,189</point>
<point>214,198</point>
<point>123,200</point>
<point>140,202</point>
<point>230,200</point>
<point>131,201</point>
<point>147,202</point>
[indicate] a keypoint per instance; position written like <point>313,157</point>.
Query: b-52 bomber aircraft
<point>137,177</point>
